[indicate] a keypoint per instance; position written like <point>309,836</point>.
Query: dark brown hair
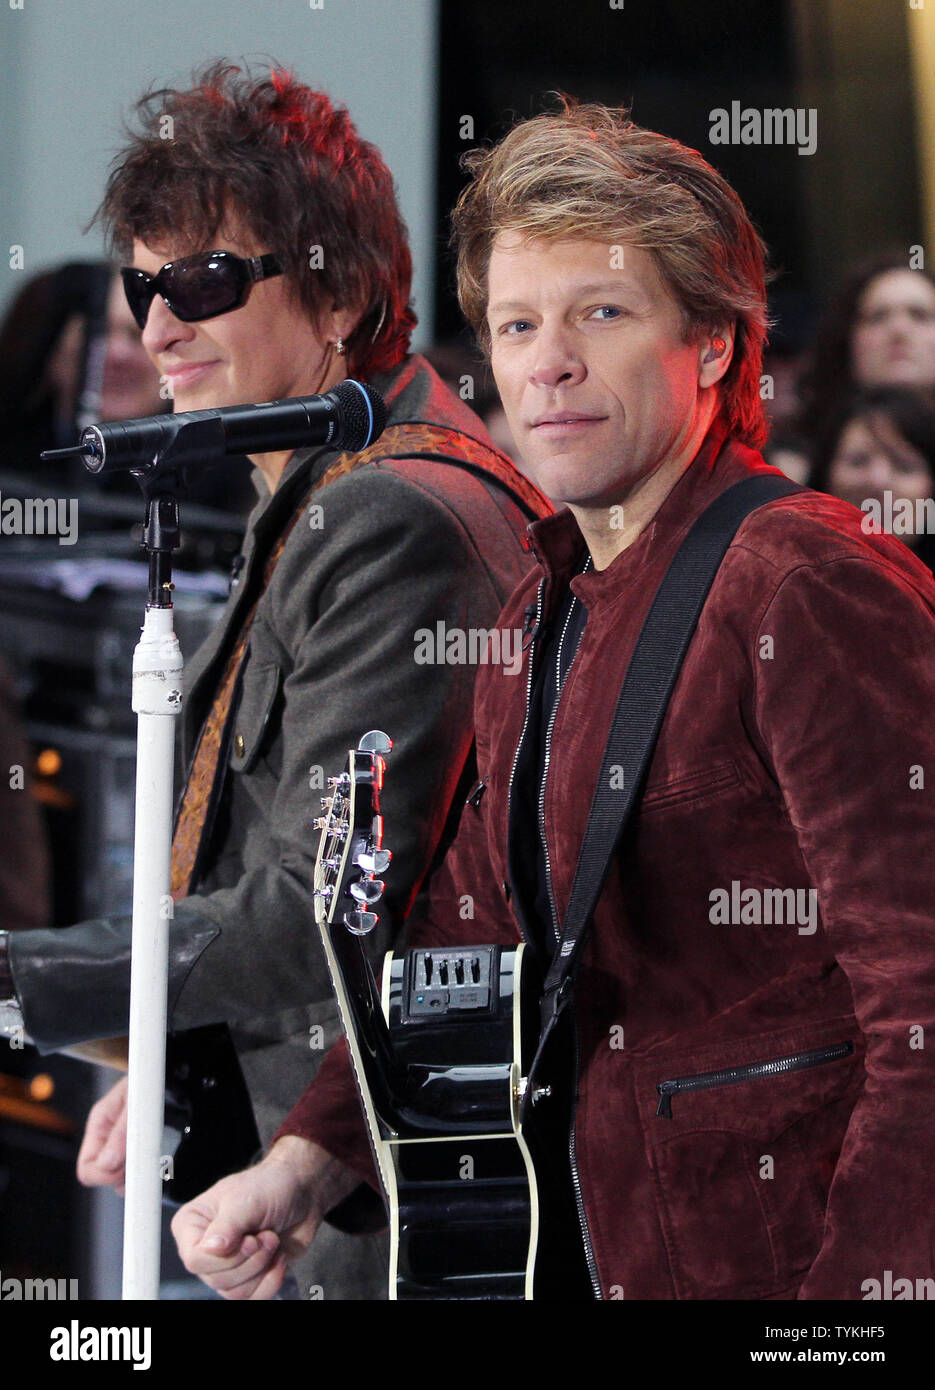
<point>290,167</point>
<point>909,413</point>
<point>827,380</point>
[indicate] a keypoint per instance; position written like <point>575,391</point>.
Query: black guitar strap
<point>650,677</point>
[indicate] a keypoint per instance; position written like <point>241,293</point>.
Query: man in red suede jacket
<point>773,902</point>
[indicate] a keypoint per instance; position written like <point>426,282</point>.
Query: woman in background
<point>70,354</point>
<point>880,448</point>
<point>878,331</point>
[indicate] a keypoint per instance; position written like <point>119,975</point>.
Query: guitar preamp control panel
<point>441,982</point>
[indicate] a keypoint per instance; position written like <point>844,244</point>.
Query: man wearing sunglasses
<point>264,258</point>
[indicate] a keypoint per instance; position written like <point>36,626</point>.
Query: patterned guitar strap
<point>201,795</point>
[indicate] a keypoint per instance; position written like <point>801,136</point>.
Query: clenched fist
<point>240,1235</point>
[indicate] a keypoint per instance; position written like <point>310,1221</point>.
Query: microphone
<point>349,417</point>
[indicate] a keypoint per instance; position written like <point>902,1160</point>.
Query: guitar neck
<point>346,888</point>
<point>382,1071</point>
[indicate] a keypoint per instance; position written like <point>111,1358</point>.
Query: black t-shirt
<point>555,662</point>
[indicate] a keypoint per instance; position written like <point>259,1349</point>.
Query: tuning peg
<point>375,861</point>
<point>375,742</point>
<point>367,890</point>
<point>359,922</point>
<point>338,831</point>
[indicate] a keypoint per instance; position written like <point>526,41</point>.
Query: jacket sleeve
<point>845,712</point>
<point>349,598</point>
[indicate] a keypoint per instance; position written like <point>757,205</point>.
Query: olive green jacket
<point>385,551</point>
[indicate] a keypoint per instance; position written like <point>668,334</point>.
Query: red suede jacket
<point>793,756</point>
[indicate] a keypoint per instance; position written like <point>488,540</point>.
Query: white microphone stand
<point>184,440</point>
<point>157,702</point>
<point>181,442</point>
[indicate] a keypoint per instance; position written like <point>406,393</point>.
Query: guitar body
<point>208,1106</point>
<point>465,1209</point>
<point>208,1116</point>
<point>475,1174</point>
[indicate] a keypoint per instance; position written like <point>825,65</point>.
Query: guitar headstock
<point>351,857</point>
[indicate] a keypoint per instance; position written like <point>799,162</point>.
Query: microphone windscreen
<point>363,415</point>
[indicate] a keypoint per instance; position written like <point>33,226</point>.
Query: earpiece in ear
<point>715,350</point>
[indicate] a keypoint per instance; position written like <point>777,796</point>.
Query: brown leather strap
<point>398,441</point>
<point>437,441</point>
<point>193,809</point>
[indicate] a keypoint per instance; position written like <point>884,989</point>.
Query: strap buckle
<point>553,1003</point>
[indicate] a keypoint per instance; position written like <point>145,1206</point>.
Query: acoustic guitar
<point>474,1172</point>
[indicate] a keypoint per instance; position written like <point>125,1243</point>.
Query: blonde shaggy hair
<point>588,172</point>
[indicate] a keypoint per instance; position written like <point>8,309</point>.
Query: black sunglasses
<point>197,287</point>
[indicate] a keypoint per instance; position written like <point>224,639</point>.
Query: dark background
<point>672,62</point>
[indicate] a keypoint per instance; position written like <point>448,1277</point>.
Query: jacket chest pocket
<point>743,1142</point>
<point>255,721</point>
<point>690,786</point>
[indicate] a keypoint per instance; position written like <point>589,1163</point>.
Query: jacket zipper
<point>775,1066</point>
<point>545,773</point>
<point>573,1157</point>
<point>476,795</point>
<point>575,1178</point>
<point>576,1181</point>
<point>532,651</point>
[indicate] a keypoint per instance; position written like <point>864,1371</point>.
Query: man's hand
<point>240,1235</point>
<point>103,1155</point>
